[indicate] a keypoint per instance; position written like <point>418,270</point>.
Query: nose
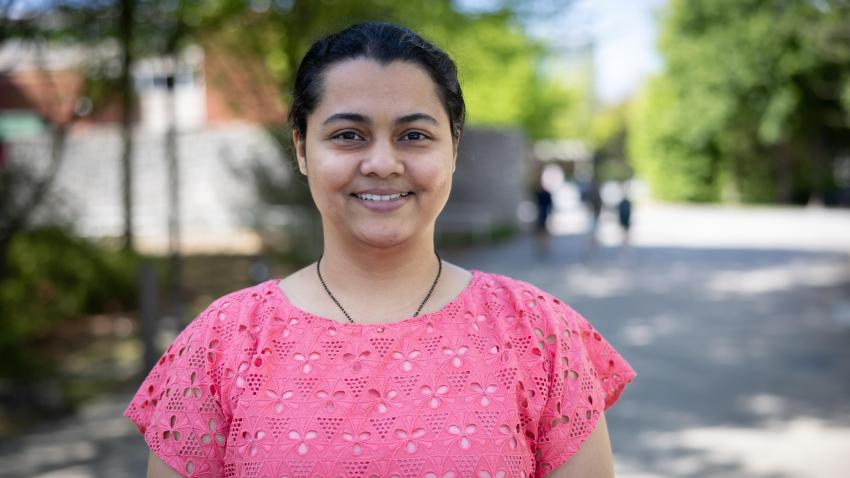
<point>382,160</point>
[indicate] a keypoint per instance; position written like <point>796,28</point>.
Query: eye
<point>414,136</point>
<point>347,136</point>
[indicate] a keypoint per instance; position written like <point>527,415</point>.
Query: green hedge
<point>54,281</point>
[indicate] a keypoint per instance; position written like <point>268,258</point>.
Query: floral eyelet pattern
<point>504,381</point>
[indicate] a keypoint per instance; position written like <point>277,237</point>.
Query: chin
<point>384,239</point>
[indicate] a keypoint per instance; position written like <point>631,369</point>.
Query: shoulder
<point>224,335</point>
<point>231,306</point>
<point>561,331</point>
<point>224,323</point>
<point>541,313</point>
<point>215,330</point>
<point>523,294</point>
<point>506,283</point>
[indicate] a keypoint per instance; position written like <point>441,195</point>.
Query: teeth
<point>375,197</point>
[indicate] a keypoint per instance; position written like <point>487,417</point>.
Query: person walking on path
<point>593,201</point>
<point>381,359</point>
<point>543,199</point>
<point>624,215</point>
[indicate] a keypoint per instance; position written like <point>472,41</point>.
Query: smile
<point>376,197</point>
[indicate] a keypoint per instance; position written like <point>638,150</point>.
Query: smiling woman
<point>378,153</point>
<point>381,359</point>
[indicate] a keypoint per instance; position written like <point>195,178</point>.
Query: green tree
<point>498,62</point>
<point>608,136</point>
<point>749,104</point>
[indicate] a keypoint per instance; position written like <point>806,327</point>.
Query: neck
<point>402,273</point>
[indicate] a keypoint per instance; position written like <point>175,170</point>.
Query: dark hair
<point>385,43</point>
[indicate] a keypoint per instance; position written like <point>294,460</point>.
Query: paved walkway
<point>737,321</point>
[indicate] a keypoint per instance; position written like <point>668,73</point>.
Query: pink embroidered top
<point>504,381</point>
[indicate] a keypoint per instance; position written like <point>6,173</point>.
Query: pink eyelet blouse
<point>504,381</point>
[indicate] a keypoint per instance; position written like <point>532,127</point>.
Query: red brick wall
<point>53,94</point>
<point>236,89</point>
<point>240,88</point>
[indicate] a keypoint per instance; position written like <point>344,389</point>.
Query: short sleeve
<point>586,375</point>
<point>178,407</point>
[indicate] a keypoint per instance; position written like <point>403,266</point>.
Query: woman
<point>381,359</point>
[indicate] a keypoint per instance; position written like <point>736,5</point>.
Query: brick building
<point>224,106</point>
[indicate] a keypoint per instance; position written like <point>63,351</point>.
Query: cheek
<point>432,178</point>
<point>331,173</point>
<point>435,174</point>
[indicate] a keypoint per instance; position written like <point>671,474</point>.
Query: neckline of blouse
<point>470,286</point>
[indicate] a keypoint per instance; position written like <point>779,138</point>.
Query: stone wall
<point>489,182</point>
<point>220,208</point>
<point>218,200</point>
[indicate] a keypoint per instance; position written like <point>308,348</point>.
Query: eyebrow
<point>355,117</point>
<point>417,117</point>
<point>359,118</point>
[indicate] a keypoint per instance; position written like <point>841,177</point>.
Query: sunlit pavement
<point>98,442</point>
<point>736,320</point>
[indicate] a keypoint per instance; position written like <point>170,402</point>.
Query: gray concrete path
<point>737,322</point>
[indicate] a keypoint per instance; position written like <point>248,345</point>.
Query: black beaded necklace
<point>439,270</point>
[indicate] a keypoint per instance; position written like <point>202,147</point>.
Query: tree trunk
<point>126,37</point>
<point>785,174</point>
<point>174,198</point>
<point>5,245</point>
<point>818,168</point>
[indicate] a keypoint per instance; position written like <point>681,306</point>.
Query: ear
<point>300,152</point>
<point>454,159</point>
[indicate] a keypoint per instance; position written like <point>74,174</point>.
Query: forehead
<point>368,87</point>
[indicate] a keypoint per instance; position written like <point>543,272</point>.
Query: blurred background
<point>677,171</point>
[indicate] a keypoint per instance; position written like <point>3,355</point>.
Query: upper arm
<point>586,376</point>
<point>158,469</point>
<point>593,459</point>
<point>182,392</point>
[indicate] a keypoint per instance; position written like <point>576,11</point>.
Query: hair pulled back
<point>385,43</point>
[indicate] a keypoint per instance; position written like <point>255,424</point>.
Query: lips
<point>382,197</point>
<point>383,200</point>
<point>381,194</point>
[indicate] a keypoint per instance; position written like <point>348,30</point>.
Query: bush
<point>54,281</point>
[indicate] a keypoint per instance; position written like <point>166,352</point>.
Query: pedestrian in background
<point>624,214</point>
<point>543,199</point>
<point>593,202</point>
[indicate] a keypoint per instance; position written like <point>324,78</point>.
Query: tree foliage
<point>749,106</point>
<point>55,281</point>
<point>498,62</point>
<point>608,137</point>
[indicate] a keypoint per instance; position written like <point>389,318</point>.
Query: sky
<point>623,35</point>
